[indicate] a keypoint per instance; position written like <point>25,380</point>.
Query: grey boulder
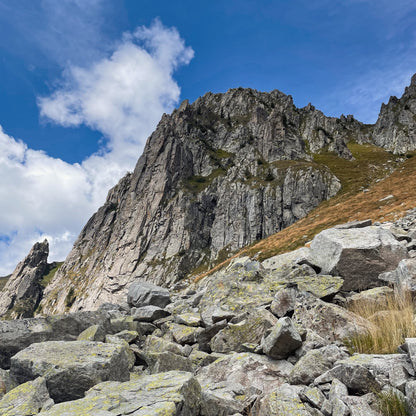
<point>174,393</point>
<point>71,368</point>
<point>283,340</point>
<point>358,255</point>
<point>144,293</point>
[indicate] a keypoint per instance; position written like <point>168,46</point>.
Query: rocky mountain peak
<point>23,292</point>
<point>395,129</point>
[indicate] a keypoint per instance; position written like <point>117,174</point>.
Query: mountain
<point>215,176</point>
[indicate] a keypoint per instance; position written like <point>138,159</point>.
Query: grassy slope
<point>372,176</point>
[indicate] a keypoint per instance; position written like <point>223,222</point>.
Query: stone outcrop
<point>215,176</point>
<point>395,129</point>
<point>23,292</point>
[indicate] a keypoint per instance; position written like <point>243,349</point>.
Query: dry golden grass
<point>374,170</point>
<point>392,319</point>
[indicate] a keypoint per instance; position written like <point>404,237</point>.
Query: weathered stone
<point>144,293</point>
<point>403,277</point>
<point>410,391</point>
<point>375,296</point>
<point>338,390</point>
<point>157,344</point>
<point>356,377</point>
<point>19,334</point>
<point>167,361</point>
<point>283,340</point>
<point>93,333</point>
<point>182,334</point>
<point>149,313</point>
<point>329,321</point>
<point>26,400</point>
<point>312,395</point>
<point>233,382</point>
<point>204,337</point>
<point>285,401</point>
<point>23,292</point>
<point>189,319</point>
<point>250,330</point>
<point>122,323</point>
<point>128,336</point>
<point>173,393</point>
<point>361,406</point>
<point>339,408</point>
<point>71,368</point>
<point>284,301</point>
<point>358,255</point>
<point>314,363</point>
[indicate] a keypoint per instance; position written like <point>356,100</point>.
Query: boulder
<point>250,329</point>
<point>71,368</point>
<point>230,384</point>
<point>182,334</point>
<point>403,277</point>
<point>173,393</point>
<point>282,341</point>
<point>149,313</point>
<point>358,255</point>
<point>27,399</point>
<point>284,400</point>
<point>144,293</point>
<point>314,363</point>
<point>18,334</point>
<point>92,333</point>
<point>331,322</point>
<point>373,297</point>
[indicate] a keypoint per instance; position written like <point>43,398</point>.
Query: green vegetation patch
<point>49,276</point>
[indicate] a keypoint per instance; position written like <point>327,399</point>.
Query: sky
<point>83,83</point>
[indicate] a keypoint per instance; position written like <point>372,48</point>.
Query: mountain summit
<point>216,175</point>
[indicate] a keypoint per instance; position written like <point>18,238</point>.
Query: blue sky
<point>84,82</point>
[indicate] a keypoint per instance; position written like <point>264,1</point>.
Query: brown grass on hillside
<point>363,195</point>
<point>393,321</point>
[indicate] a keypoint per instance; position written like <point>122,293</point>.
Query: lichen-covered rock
<point>173,393</point>
<point>92,333</point>
<point>284,400</point>
<point>232,383</point>
<point>18,334</point>
<point>314,363</point>
<point>250,329</point>
<point>26,400</point>
<point>71,368</point>
<point>329,321</point>
<point>371,297</point>
<point>182,334</point>
<point>149,313</point>
<point>283,340</point>
<point>358,255</point>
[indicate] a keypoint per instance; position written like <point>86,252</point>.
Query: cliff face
<point>395,129</point>
<point>214,176</point>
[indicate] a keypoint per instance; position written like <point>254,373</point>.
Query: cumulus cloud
<point>122,96</point>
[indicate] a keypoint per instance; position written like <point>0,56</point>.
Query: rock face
<point>22,293</point>
<point>395,128</point>
<point>215,176</point>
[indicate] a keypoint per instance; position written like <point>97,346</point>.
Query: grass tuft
<point>391,403</point>
<point>392,319</point>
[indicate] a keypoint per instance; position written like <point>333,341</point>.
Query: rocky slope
<point>255,338</point>
<point>215,176</point>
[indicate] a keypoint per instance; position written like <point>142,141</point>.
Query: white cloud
<point>123,96</point>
